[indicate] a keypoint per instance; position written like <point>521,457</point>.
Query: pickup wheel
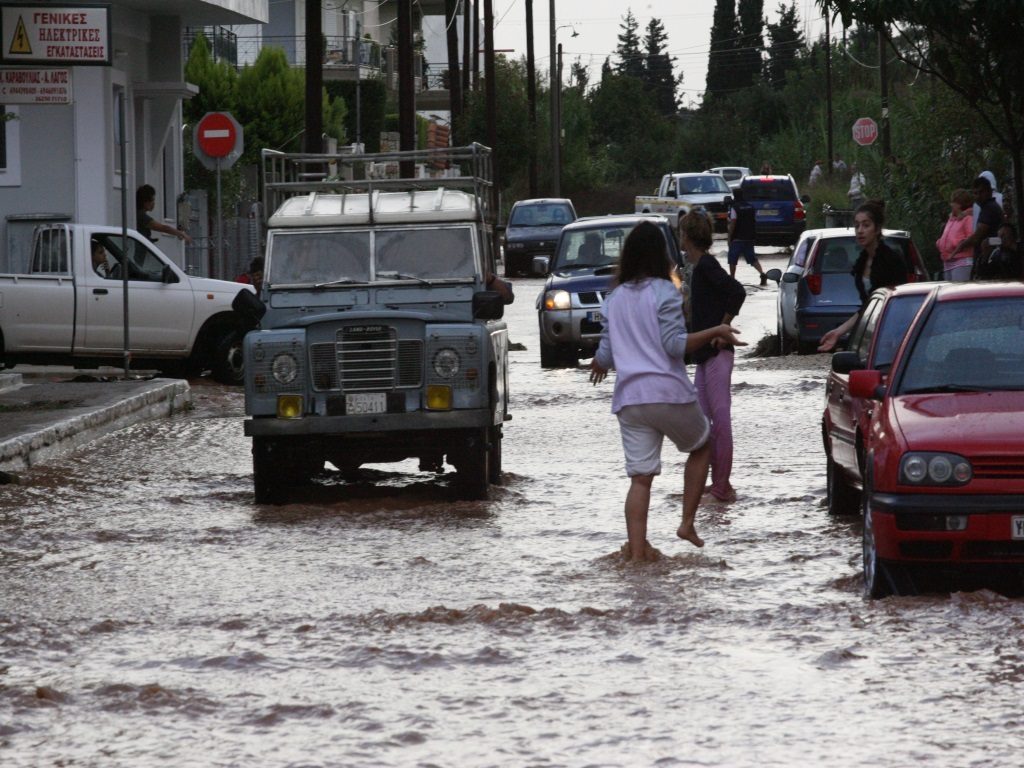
<point>473,467</point>
<point>228,364</point>
<point>557,356</point>
<point>842,497</point>
<point>268,471</point>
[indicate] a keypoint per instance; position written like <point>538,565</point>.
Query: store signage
<point>35,86</point>
<point>53,34</point>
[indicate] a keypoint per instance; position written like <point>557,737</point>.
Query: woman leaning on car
<point>878,265</point>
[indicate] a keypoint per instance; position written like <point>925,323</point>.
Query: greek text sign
<point>52,34</point>
<point>35,86</point>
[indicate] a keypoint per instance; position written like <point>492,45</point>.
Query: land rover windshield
<point>341,257</point>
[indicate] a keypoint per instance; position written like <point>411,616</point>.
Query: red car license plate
<point>1017,527</point>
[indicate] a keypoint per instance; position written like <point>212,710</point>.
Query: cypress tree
<point>723,46</point>
<point>750,42</point>
<point>786,41</point>
<point>659,75</point>
<point>631,59</point>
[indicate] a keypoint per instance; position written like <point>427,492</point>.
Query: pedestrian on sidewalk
<point>715,299</point>
<point>958,228</point>
<point>988,217</point>
<point>645,340</point>
<point>856,191</point>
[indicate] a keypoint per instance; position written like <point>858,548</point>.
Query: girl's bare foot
<point>689,533</point>
<point>651,555</point>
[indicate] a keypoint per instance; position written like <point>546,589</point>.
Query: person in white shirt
<point>645,341</point>
<point>856,192</point>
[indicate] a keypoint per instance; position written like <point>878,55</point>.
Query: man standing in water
<point>645,340</point>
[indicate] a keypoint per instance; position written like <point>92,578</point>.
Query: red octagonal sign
<point>217,134</point>
<point>865,131</point>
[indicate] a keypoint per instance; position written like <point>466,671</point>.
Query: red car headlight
<point>930,468</point>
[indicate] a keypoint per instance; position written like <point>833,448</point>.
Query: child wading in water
<point>645,340</point>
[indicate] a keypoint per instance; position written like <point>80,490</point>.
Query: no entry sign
<point>217,140</point>
<point>865,131</point>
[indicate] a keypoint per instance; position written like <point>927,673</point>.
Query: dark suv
<point>533,230</point>
<point>570,309</point>
<point>779,209</point>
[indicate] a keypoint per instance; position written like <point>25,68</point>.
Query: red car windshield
<point>968,345</point>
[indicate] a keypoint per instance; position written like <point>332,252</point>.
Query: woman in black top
<point>715,298</point>
<point>878,265</point>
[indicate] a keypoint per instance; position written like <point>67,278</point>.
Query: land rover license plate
<point>366,402</point>
<point>1017,527</point>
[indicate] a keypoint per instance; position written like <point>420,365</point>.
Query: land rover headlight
<point>927,468</point>
<point>557,300</point>
<point>285,368</point>
<point>446,363</point>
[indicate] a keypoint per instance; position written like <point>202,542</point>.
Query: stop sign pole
<point>217,142</point>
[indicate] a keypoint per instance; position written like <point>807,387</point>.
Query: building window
<point>10,147</point>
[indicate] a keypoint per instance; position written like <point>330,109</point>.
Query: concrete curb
<point>158,398</point>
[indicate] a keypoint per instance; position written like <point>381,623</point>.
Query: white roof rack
<point>352,208</point>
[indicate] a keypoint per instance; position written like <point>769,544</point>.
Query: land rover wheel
<point>268,471</point>
<point>228,364</point>
<point>495,458</point>
<point>473,471</point>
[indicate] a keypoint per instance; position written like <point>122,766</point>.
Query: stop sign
<point>217,134</point>
<point>865,131</point>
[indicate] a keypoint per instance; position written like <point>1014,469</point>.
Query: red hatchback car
<point>873,344</point>
<point>944,465</point>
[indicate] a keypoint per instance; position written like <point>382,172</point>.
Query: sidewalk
<point>45,415</point>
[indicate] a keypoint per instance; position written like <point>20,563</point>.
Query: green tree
<point>786,42</point>
<point>513,121</point>
<point>217,82</point>
<point>972,47</point>
<point>658,73</point>
<point>629,129</point>
<point>631,58</point>
<point>722,57</point>
<point>750,42</point>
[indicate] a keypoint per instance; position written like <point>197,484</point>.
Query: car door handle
<point>100,291</point>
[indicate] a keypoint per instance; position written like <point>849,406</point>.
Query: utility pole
<point>531,97</point>
<point>313,139</point>
<point>476,46</point>
<point>491,103</point>
<point>883,73</point>
<point>406,86</point>
<point>451,8</point>
<point>828,91</point>
<point>555,159</point>
<point>467,6</point>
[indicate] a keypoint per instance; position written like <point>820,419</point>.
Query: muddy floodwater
<point>151,614</point>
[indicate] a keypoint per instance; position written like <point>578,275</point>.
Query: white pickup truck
<point>68,308</point>
<point>679,193</point>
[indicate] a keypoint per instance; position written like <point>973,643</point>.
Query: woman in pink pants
<point>715,298</point>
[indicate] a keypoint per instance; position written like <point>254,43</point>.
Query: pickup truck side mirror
<point>867,384</point>
<point>541,264</point>
<point>488,305</point>
<point>167,275</point>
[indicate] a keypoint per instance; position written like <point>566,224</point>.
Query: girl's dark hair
<point>875,209</point>
<point>697,227</point>
<point>643,254</point>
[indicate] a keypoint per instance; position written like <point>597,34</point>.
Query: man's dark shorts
<point>744,248</point>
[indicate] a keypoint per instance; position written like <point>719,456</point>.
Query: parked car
<point>533,229</point>
<point>817,292</point>
<point>873,344</point>
<point>780,217</point>
<point>733,174</point>
<point>570,308</point>
<point>944,468</point>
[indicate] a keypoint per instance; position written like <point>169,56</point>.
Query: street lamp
<point>556,106</point>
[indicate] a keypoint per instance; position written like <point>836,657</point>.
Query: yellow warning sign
<point>20,43</point>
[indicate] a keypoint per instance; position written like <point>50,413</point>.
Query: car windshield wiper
<point>339,281</point>
<point>938,388</point>
<point>395,275</point>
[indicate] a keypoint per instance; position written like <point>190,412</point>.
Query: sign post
<point>217,142</point>
<point>865,131</point>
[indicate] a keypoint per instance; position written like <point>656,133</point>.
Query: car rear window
<point>772,189</point>
<point>839,254</point>
<point>541,215</point>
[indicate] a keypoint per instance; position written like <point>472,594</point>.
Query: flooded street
<point>152,614</point>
